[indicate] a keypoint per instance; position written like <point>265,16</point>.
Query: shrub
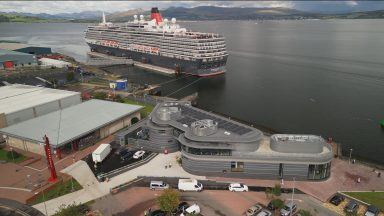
<point>168,200</point>
<point>14,156</point>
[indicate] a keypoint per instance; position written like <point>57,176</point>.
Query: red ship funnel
<point>155,14</point>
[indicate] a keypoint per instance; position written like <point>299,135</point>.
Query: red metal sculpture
<point>51,165</point>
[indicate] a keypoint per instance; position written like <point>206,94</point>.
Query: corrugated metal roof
<point>76,121</point>
<point>13,46</point>
<point>18,97</point>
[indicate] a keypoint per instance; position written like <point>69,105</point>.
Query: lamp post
<point>350,155</point>
<point>13,158</point>
<point>73,160</point>
<point>293,193</point>
<point>42,191</point>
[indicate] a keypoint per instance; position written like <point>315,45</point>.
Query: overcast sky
<point>54,7</point>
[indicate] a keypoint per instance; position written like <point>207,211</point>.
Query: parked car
<point>160,185</point>
<point>352,206</point>
<point>138,154</point>
<point>238,187</point>
<point>193,209</point>
<point>121,151</point>
<point>180,208</point>
<point>264,212</point>
<point>288,208</point>
<point>372,211</point>
<point>253,210</point>
<point>337,199</point>
<point>158,213</point>
<point>127,155</point>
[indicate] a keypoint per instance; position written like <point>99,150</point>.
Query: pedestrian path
<point>92,189</point>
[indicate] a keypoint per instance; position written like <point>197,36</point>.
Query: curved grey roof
<point>181,115</point>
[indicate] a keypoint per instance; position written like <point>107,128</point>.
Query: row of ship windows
<point>160,37</point>
<point>213,152</point>
<point>187,49</point>
<point>198,45</point>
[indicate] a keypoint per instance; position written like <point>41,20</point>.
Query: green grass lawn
<point>58,190</point>
<point>147,107</point>
<point>374,198</point>
<point>3,156</point>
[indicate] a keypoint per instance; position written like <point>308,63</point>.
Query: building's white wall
<point>26,145</point>
<point>19,116</point>
<point>46,108</point>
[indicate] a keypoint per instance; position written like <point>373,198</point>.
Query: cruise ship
<point>160,42</point>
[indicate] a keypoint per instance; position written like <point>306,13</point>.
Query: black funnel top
<point>155,10</point>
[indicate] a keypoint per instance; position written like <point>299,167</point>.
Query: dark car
<point>157,213</point>
<point>121,150</point>
<point>127,155</point>
<point>337,199</point>
<point>372,211</point>
<point>351,207</point>
<point>271,207</point>
<point>180,208</point>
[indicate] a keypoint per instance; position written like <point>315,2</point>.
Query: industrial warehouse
<point>216,146</point>
<point>68,123</point>
<point>12,59</point>
<point>22,102</point>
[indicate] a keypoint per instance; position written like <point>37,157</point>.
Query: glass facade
<point>319,171</point>
<point>214,152</point>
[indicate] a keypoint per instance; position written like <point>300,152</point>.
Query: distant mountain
<point>225,13</point>
<point>196,13</point>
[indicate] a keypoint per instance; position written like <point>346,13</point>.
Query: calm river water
<point>319,77</point>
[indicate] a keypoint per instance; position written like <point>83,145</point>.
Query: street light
<point>293,192</point>
<point>13,158</point>
<point>350,155</point>
<point>73,160</point>
<point>42,191</point>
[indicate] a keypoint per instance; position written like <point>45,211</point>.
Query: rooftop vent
<point>165,113</point>
<point>204,127</point>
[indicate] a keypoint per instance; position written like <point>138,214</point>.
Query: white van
<point>159,185</point>
<point>193,209</point>
<point>189,185</point>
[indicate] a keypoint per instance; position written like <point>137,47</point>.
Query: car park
<point>127,155</point>
<point>193,209</point>
<point>158,185</point>
<point>337,199</point>
<point>238,187</point>
<point>372,211</point>
<point>351,207</point>
<point>289,208</point>
<point>121,151</point>
<point>253,210</point>
<point>180,208</point>
<point>139,154</point>
<point>264,212</point>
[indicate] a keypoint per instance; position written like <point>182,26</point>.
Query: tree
<point>303,212</point>
<point>71,210</point>
<point>274,192</point>
<point>278,203</point>
<point>168,200</point>
<point>70,76</point>
<point>100,95</point>
<point>12,155</point>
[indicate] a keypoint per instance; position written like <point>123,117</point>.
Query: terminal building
<point>73,127</point>
<point>212,145</point>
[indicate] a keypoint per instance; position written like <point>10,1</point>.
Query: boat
<point>160,42</point>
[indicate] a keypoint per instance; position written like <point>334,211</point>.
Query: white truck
<point>101,153</point>
<point>189,185</point>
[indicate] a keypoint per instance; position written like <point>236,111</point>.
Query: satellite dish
<point>5,136</point>
<point>173,20</point>
<point>141,17</point>
<point>165,20</point>
<point>135,16</point>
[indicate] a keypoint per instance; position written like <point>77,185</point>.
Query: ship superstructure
<point>160,42</point>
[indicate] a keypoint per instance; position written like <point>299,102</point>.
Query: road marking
<point>13,188</point>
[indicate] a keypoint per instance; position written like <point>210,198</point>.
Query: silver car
<point>253,210</point>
